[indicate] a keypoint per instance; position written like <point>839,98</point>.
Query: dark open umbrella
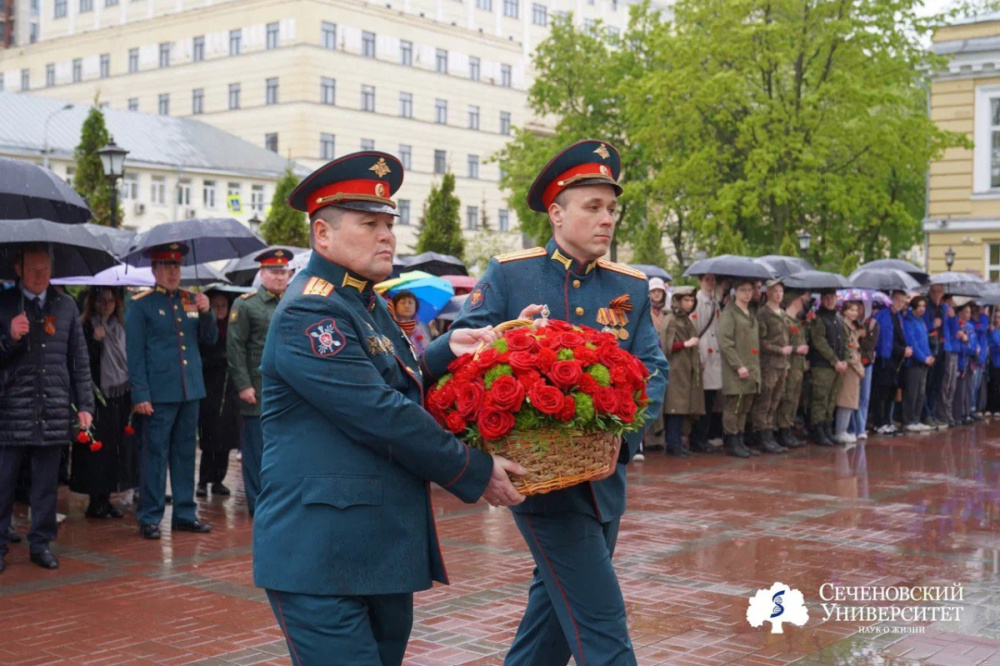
<point>961,284</point>
<point>884,279</point>
<point>28,191</point>
<point>781,266</point>
<point>209,239</point>
<point>242,271</point>
<point>436,264</point>
<point>729,265</point>
<point>75,251</point>
<point>913,271</point>
<point>812,280</point>
<point>653,271</point>
<point>118,241</point>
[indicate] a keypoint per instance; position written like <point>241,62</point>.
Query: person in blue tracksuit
<point>993,341</point>
<point>575,605</point>
<point>966,338</point>
<point>892,351</point>
<point>917,366</point>
<point>982,323</point>
<point>944,412</point>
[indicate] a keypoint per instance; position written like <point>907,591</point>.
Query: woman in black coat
<point>115,466</point>
<point>219,416</point>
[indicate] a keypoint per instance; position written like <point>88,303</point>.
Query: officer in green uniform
<point>793,304</point>
<point>739,344</point>
<point>344,530</point>
<point>163,328</point>
<point>575,605</point>
<point>248,323</point>
<point>774,352</point>
<point>827,363</point>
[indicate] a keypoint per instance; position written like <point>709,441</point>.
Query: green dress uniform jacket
<point>796,338</point>
<point>739,340</point>
<point>248,324</point>
<point>773,332</point>
<point>345,506</point>
<point>684,392</point>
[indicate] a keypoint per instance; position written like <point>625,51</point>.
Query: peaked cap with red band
<point>587,162</point>
<point>167,253</point>
<point>274,257</point>
<point>360,181</point>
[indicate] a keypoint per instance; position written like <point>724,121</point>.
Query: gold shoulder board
<point>621,268</point>
<point>142,294</point>
<point>317,287</point>
<point>521,254</point>
<point>248,295</point>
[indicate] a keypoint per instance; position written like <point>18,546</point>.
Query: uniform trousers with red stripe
<point>575,605</point>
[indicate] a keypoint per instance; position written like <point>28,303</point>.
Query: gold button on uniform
<point>579,311</point>
<point>576,283</point>
<point>183,347</point>
<point>182,334</point>
<point>185,362</point>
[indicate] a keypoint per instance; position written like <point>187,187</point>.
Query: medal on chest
<point>614,318</point>
<point>377,343</point>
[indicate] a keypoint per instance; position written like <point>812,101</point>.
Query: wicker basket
<point>565,459</point>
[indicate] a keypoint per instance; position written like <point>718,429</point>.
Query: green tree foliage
<point>648,246</point>
<point>285,225</point>
<point>89,180</point>
<point>788,248</point>
<point>730,241</point>
<point>441,229</point>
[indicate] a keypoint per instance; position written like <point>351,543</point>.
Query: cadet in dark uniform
<point>248,324</point>
<point>827,362</point>
<point>344,529</point>
<point>163,328</point>
<point>575,604</point>
<point>775,349</point>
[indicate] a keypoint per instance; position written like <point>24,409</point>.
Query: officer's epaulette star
<point>621,268</point>
<point>521,254</point>
<point>143,294</point>
<point>248,295</point>
<point>317,287</point>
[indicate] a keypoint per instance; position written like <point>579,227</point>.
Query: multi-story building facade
<point>964,186</point>
<point>440,83</point>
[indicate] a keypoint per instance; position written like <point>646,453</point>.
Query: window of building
<point>368,98</point>
<point>993,262</point>
<point>441,61</point>
<point>33,33</point>
<point>986,155</point>
<point>473,117</point>
<point>105,65</point>
<point>368,44</point>
<point>25,79</point>
<point>485,4</point>
<point>403,206</point>
<point>86,6</point>
<point>234,190</point>
<point>235,42</point>
<point>197,101</point>
<point>77,70</point>
<point>472,217</point>
<point>505,123</point>
<point>406,104</point>
<point>613,31</point>
<point>70,175</point>
<point>133,61</point>
<point>59,9</point>
<point>328,35</point>
<point>272,35</point>
<point>441,111</point>
<point>327,145</point>
<point>104,106</point>
<point>510,8</point>
<point>327,91</point>
<point>406,156</point>
<point>158,190</point>
<point>271,142</point>
<point>473,164</point>
<point>271,91</point>
<point>208,194</point>
<point>474,68</point>
<point>164,104</point>
<point>406,53</point>
<point>506,77</point>
<point>234,96</point>
<point>539,14</point>
<point>184,192</point>
<point>198,49</point>
<point>1,81</point>
<point>50,76</point>
<point>129,187</point>
<point>257,192</point>
<point>503,219</point>
<point>164,55</point>
<point>367,144</point>
<point>589,26</point>
<point>440,161</point>
<point>133,103</point>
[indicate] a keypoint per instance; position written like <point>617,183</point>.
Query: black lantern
<point>113,164</point>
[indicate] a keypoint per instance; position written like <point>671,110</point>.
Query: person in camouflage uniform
<point>774,363</point>
<point>794,304</point>
<point>739,342</point>
<point>827,363</point>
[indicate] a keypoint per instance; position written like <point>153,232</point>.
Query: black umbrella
<point>28,191</point>
<point>812,280</point>
<point>435,264</point>
<point>209,239</point>
<point>781,266</point>
<point>118,241</point>
<point>242,271</point>
<point>729,265</point>
<point>884,279</point>
<point>75,251</point>
<point>653,271</point>
<point>896,264</point>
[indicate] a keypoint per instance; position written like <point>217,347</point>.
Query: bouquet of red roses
<point>554,398</point>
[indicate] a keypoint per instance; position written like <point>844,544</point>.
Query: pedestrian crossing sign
<point>234,204</point>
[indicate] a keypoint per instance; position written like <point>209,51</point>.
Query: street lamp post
<point>45,147</point>
<point>254,223</point>
<point>949,258</point>
<point>805,240</point>
<point>113,164</point>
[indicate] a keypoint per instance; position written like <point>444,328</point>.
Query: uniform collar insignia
<point>569,263</point>
<point>562,259</point>
<point>351,281</point>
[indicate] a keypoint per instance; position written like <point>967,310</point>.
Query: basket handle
<point>504,327</point>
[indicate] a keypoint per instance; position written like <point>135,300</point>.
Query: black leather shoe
<point>97,511</point>
<point>195,526</point>
<point>114,512</point>
<point>1,563</point>
<point>45,559</point>
<point>13,536</point>
<point>219,489</point>
<point>149,531</point>
<point>201,490</point>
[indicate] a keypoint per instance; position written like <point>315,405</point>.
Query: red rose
<point>470,397</point>
<point>694,316</point>
<point>454,423</point>
<point>794,330</point>
<point>559,325</point>
<point>520,341</point>
<point>546,399</point>
<point>129,430</point>
<point>588,384</point>
<point>864,360</point>
<point>488,358</point>
<point>459,363</point>
<point>545,359</point>
<point>753,351</point>
<point>96,445</point>
<point>568,410</point>
<point>494,424</point>
<point>566,374</point>
<point>626,407</point>
<point>605,400</point>
<point>571,339</point>
<point>550,341</point>
<point>82,437</point>
<point>637,372</point>
<point>521,360</point>
<point>444,397</point>
<point>507,393</point>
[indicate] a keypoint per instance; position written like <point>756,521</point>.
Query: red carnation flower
<point>454,422</point>
<point>794,330</point>
<point>546,399</point>
<point>488,358</point>
<point>694,316</point>
<point>753,351</point>
<point>566,374</point>
<point>619,377</point>
<point>588,384</point>
<point>494,423</point>
<point>568,410</point>
<point>459,363</point>
<point>528,378</point>
<point>82,437</point>
<point>507,393</point>
<point>470,396</point>
<point>96,445</point>
<point>129,430</point>
<point>444,397</point>
<point>551,341</point>
<point>545,359</point>
<point>585,355</point>
<point>864,359</point>
<point>605,400</point>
